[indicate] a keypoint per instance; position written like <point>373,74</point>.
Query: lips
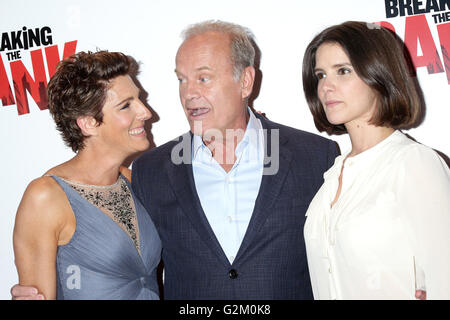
<point>197,112</point>
<point>137,131</point>
<point>332,103</point>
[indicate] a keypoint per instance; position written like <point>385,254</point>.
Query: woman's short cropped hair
<point>381,60</point>
<point>78,88</point>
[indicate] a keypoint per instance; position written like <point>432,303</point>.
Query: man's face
<point>211,98</point>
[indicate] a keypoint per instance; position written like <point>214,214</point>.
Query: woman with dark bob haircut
<point>80,232</point>
<point>378,228</point>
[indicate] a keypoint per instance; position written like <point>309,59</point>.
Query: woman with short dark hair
<point>378,228</point>
<point>80,232</point>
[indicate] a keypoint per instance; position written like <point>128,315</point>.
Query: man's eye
<point>204,79</point>
<point>125,106</point>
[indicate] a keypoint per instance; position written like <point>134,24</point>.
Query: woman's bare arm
<point>39,220</point>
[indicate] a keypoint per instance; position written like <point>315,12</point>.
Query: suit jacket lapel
<point>182,181</point>
<point>271,184</point>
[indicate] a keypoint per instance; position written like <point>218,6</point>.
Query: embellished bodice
<point>115,201</point>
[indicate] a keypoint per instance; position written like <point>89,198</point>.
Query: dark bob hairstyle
<point>380,59</point>
<point>78,88</point>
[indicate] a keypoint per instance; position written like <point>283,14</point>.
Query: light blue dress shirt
<point>228,199</point>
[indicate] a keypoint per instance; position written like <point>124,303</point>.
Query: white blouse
<point>389,232</point>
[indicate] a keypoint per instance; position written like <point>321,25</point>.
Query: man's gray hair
<point>242,39</point>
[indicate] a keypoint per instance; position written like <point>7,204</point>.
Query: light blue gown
<point>101,261</point>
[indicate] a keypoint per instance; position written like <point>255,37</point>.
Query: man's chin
<point>197,128</point>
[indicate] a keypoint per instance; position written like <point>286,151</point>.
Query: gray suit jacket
<point>271,262</point>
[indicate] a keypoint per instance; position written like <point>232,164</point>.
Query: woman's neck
<point>366,136</point>
<point>93,167</point>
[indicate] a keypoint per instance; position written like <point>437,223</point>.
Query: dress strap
<point>66,187</point>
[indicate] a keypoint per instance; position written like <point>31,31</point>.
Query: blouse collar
<point>363,159</point>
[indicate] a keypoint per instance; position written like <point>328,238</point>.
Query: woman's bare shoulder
<point>43,199</point>
<point>42,188</point>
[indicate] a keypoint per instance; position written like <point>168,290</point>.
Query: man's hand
<point>261,113</point>
<point>19,292</point>
<point>421,295</point>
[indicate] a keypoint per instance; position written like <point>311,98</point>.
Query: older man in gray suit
<point>229,197</point>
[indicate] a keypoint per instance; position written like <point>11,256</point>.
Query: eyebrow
<point>198,69</point>
<point>337,65</point>
<point>124,100</point>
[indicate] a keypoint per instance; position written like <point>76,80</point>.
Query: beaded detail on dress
<point>114,200</point>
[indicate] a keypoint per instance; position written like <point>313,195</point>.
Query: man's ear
<point>247,81</point>
<point>88,125</point>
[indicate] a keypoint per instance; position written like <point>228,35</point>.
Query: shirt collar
<point>373,152</point>
<point>250,138</point>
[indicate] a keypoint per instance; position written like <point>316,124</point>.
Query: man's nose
<point>190,90</point>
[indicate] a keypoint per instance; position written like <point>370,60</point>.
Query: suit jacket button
<point>232,274</point>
